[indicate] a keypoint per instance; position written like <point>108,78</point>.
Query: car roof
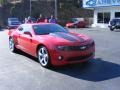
<point>115,18</point>
<point>12,18</point>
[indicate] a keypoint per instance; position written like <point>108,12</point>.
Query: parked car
<point>76,23</point>
<point>66,47</point>
<point>13,23</point>
<point>114,24</point>
<point>34,20</point>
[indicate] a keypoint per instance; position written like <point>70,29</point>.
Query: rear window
<point>13,19</point>
<point>15,23</point>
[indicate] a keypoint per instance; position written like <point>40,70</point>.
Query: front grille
<point>80,57</point>
<point>82,47</point>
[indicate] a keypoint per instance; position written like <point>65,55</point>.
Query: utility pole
<point>56,12</point>
<point>30,7</point>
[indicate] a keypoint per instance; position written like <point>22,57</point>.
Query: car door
<point>25,40</point>
<point>17,35</point>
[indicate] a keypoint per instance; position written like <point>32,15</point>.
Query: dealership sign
<point>100,3</point>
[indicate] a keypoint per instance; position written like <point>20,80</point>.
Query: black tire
<point>75,26</point>
<point>12,45</point>
<point>112,29</point>
<point>44,57</point>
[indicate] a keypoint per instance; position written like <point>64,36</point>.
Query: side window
<point>26,29</point>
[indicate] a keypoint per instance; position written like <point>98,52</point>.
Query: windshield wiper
<point>44,33</point>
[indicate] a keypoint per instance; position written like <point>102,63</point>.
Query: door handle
<point>19,35</point>
<point>30,39</point>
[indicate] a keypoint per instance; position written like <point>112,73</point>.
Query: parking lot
<point>19,71</point>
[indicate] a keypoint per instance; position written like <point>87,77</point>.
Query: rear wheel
<point>44,57</point>
<point>112,28</point>
<point>12,45</point>
<point>75,26</point>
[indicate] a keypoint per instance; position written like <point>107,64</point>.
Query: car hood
<point>64,38</point>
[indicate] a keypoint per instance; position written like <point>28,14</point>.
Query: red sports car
<point>51,44</point>
<point>75,23</point>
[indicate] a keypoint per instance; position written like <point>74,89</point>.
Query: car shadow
<point>26,55</point>
<point>118,30</point>
<point>95,70</point>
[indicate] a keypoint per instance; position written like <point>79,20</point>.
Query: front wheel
<point>43,57</point>
<point>112,28</point>
<point>12,45</point>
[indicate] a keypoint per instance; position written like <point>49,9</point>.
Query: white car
<point>13,23</point>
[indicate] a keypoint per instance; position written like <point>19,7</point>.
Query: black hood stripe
<point>77,37</point>
<point>67,36</point>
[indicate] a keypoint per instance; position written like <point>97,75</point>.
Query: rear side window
<point>24,28</point>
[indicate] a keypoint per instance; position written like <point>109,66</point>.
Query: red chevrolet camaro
<point>76,23</point>
<point>51,44</point>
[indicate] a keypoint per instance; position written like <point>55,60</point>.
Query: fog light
<point>60,57</point>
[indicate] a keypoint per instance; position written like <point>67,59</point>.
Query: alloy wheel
<point>43,56</point>
<point>11,45</point>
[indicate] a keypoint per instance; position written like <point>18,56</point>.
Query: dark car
<point>34,20</point>
<point>51,44</point>
<point>13,23</point>
<point>114,24</point>
<point>76,23</point>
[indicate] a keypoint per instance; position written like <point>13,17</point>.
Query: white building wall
<point>111,9</point>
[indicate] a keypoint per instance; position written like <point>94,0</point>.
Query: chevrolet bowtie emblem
<point>83,47</point>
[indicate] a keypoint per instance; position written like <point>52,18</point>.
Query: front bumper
<point>117,26</point>
<point>72,57</point>
<point>114,27</point>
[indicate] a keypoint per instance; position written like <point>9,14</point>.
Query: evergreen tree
<point>3,2</point>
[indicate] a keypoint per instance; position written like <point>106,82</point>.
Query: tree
<point>3,2</point>
<point>77,3</point>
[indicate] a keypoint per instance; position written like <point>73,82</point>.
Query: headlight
<point>63,48</point>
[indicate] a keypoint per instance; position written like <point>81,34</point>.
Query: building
<point>104,11</point>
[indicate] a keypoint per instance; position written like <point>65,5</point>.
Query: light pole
<point>30,8</point>
<point>56,12</point>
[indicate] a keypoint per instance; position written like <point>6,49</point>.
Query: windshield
<point>116,20</point>
<point>48,28</point>
<point>74,20</point>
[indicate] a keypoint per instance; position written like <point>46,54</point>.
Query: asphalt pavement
<point>19,71</point>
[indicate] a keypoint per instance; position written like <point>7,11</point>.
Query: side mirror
<point>28,33</point>
<point>20,28</point>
